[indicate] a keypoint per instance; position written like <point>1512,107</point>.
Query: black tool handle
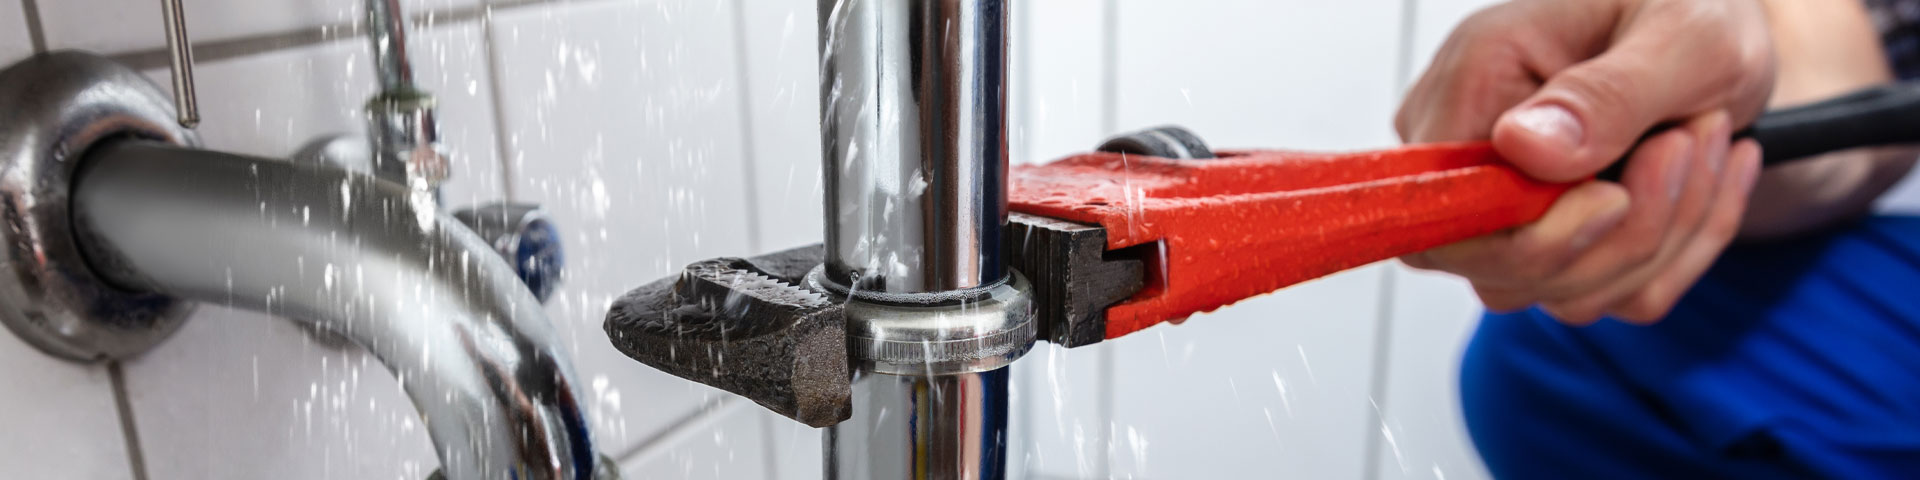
<point>1883,115</point>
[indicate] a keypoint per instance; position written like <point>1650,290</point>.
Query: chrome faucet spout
<point>366,258</point>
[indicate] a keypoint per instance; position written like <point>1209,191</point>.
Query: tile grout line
<point>1109,122</point>
<point>136,459</point>
<point>767,442</point>
<point>1110,70</point>
<point>496,95</point>
<point>36,31</point>
<point>747,151</point>
<point>750,157</point>
<point>705,415</point>
<point>1389,279</point>
<point>1021,49</point>
<point>231,48</point>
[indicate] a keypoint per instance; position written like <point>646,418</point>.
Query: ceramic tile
<point>113,26</point>
<point>798,451</point>
<point>252,385</point>
<point>14,42</point>
<point>623,119</point>
<point>783,105</point>
<point>1294,74</point>
<point>731,445</point>
<point>1059,79</point>
<point>1434,315</point>
<point>60,416</point>
<point>1278,383</point>
<point>1064,400</point>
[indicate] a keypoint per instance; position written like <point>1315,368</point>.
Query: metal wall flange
<point>59,105</point>
<point>957,337</point>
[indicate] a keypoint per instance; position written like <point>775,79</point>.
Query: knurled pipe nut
<point>977,336</point>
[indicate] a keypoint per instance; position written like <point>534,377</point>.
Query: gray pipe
<point>368,259</point>
<point>943,426</point>
<point>914,130</point>
<point>389,36</point>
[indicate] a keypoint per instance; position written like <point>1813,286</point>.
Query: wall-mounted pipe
<point>358,256</point>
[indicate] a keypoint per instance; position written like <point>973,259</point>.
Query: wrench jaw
<point>747,327</point>
<point>1074,277</point>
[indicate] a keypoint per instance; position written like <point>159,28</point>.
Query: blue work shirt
<point>1789,359</point>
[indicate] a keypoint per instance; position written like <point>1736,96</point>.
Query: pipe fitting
<point>59,106</point>
<point>109,213</point>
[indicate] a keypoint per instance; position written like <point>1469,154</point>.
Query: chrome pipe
<point>180,62</point>
<point>914,132</point>
<point>368,259</point>
<point>946,426</point>
<point>389,35</point>
<point>402,125</point>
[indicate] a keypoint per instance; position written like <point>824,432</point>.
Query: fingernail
<point>1597,226</point>
<point>1552,122</point>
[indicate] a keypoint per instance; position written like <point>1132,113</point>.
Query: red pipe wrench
<point>1179,236</point>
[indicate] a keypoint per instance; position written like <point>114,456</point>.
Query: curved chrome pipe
<point>366,258</point>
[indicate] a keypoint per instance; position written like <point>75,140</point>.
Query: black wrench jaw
<point>746,326</point>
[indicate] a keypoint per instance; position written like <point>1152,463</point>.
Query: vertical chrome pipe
<point>947,426</point>
<point>401,119</point>
<point>389,36</point>
<point>914,133</point>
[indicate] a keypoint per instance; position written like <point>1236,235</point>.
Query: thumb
<point>1660,68</point>
<point>1583,119</point>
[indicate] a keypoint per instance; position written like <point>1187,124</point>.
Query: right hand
<point>1563,89</point>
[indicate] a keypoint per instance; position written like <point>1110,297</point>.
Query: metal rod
<point>949,426</point>
<point>360,257</point>
<point>180,56</point>
<point>389,36</point>
<point>914,133</point>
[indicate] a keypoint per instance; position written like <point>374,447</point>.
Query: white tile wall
<point>121,25</point>
<point>14,43</point>
<point>1299,74</point>
<point>1059,78</point>
<point>623,118</point>
<point>782,74</point>
<point>59,417</point>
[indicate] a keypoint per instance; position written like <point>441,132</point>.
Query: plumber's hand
<point>1563,89</point>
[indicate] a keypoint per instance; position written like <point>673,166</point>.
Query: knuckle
<point>1648,306</point>
<point>1643,249</point>
<point>1603,85</point>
